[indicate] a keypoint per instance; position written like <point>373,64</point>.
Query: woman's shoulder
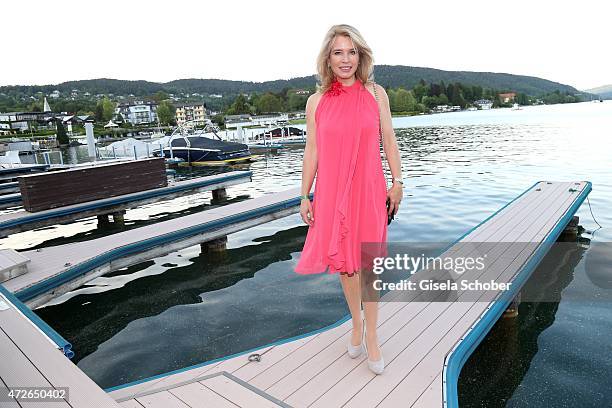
<point>380,94</point>
<point>370,85</point>
<point>315,97</point>
<point>313,101</point>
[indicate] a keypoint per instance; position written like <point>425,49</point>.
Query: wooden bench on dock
<point>55,189</point>
<point>20,221</point>
<point>425,343</point>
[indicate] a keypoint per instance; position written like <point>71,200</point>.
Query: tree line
<point>421,98</point>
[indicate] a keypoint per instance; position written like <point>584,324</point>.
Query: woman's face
<point>343,57</point>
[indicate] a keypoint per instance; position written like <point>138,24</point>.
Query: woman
<point>343,150</point>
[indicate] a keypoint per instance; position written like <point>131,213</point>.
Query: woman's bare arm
<point>309,167</point>
<point>389,140</point>
<point>395,193</point>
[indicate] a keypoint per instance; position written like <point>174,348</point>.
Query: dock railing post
<point>103,221</point>
<point>119,218</point>
<point>512,310</point>
<point>572,228</point>
<point>218,246</point>
<point>219,195</point>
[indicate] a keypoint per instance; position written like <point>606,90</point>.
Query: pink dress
<point>350,193</point>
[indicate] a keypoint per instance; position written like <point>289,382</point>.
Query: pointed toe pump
<point>377,367</point>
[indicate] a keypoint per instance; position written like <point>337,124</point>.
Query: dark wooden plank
<point>62,188</point>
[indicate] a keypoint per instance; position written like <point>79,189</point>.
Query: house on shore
<point>507,97</point>
<point>195,112</point>
<point>137,113</point>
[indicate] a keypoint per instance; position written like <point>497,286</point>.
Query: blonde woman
<point>343,151</point>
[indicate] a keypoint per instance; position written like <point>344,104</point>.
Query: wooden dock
<point>20,221</point>
<point>425,343</point>
<point>31,359</point>
<point>57,270</point>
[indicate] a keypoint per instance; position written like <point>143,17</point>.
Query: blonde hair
<point>365,68</point>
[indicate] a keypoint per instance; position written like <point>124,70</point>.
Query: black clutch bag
<point>389,217</point>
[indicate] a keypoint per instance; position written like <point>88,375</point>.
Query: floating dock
<point>57,270</point>
<point>20,221</point>
<point>424,342</point>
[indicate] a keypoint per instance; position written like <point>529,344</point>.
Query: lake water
<point>186,308</point>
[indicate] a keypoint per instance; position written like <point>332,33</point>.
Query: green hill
<point>386,75</point>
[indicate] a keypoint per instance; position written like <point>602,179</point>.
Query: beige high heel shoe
<point>377,367</point>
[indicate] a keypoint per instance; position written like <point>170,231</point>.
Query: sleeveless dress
<point>349,203</point>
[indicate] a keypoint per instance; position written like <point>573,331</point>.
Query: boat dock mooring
<point>425,342</point>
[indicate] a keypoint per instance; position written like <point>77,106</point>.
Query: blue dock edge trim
<point>59,212</point>
<point>73,272</point>
<point>464,349</point>
<point>61,342</point>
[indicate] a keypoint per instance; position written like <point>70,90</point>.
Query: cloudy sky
<point>51,42</point>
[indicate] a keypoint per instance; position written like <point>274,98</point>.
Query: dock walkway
<point>31,359</point>
<point>57,270</point>
<point>424,343</point>
<point>20,221</point>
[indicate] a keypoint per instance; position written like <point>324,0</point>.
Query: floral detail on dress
<point>336,88</point>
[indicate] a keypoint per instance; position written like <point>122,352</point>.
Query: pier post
<point>219,195</point>
<point>91,142</point>
<point>118,218</point>
<point>572,228</point>
<point>512,310</point>
<point>214,245</point>
<point>103,221</point>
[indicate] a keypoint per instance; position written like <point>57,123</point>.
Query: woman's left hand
<point>394,194</point>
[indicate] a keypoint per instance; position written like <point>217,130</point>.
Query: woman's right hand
<point>306,212</point>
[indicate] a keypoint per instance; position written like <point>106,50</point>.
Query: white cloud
<point>51,42</point>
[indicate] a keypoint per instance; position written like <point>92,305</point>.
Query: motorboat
<point>205,148</point>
